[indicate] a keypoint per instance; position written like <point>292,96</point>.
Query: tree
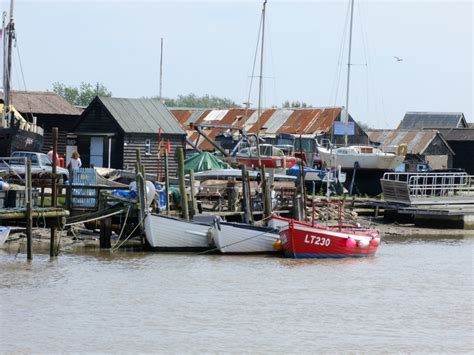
<point>205,101</point>
<point>295,104</point>
<point>82,95</point>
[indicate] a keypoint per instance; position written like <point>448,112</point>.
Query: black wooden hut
<point>50,110</point>
<point>111,129</point>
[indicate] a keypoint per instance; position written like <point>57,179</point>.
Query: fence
<point>428,188</point>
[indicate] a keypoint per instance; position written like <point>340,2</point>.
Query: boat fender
<point>363,243</point>
<point>277,245</point>
<point>350,242</point>
<point>217,223</point>
<point>210,237</point>
<point>375,242</point>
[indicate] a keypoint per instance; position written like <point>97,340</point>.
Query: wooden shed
<point>423,147</point>
<point>50,110</point>
<point>111,129</point>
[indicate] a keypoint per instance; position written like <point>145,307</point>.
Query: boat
<point>366,157</point>
<point>225,174</point>
<point>16,133</point>
<point>362,157</point>
<point>4,233</point>
<point>239,238</point>
<point>267,155</point>
<point>304,240</point>
<point>173,234</point>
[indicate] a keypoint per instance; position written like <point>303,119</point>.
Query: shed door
<point>97,151</point>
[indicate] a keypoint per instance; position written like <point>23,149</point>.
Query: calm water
<point>415,295</point>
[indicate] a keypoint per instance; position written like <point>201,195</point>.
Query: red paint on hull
<point>301,240</point>
<point>268,162</point>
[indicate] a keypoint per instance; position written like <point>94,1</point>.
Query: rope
<point>94,219</point>
<point>123,228</point>
<point>131,233</point>
<point>228,245</point>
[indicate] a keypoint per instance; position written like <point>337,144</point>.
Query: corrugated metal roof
<point>458,134</point>
<point>420,120</point>
<point>142,115</point>
<point>42,102</point>
<point>215,115</point>
<point>195,116</point>
<point>181,115</point>
<point>417,141</point>
<point>276,120</point>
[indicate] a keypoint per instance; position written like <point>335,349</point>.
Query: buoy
<point>363,243</point>
<point>277,245</point>
<point>375,242</point>
<point>350,243</point>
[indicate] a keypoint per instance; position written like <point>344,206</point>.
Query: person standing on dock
<point>74,163</point>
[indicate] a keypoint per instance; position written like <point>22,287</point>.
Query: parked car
<point>40,164</point>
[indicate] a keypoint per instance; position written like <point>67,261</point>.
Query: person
<point>50,156</point>
<point>75,162</point>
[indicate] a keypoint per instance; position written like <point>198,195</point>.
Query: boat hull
<point>237,238</point>
<point>172,234</point>
<point>268,162</point>
<point>383,161</point>
<point>4,233</point>
<point>300,240</point>
<point>14,139</point>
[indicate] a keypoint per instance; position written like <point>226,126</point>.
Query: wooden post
<point>267,204</point>
<point>250,205</point>
<point>105,224</point>
<point>54,191</point>
<point>182,184</point>
<point>167,184</point>
<point>29,211</point>
<point>193,197</point>
<point>245,197</point>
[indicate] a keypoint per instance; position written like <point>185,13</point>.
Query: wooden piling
<point>267,200</point>
<point>246,196</point>
<point>193,196</point>
<point>29,212</point>
<point>105,224</point>
<point>52,244</point>
<point>182,184</point>
<point>167,184</point>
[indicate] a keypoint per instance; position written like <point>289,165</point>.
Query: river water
<point>415,295</point>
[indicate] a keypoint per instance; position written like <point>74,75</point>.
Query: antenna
<point>161,70</point>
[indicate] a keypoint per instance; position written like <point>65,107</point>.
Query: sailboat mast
<point>10,28</point>
<point>346,113</point>
<point>161,69</point>
<point>260,84</point>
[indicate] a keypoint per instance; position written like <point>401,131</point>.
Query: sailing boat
<point>361,156</point>
<point>16,133</point>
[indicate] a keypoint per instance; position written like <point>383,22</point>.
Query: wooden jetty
<point>436,199</point>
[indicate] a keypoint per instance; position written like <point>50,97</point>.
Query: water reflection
<point>402,300</point>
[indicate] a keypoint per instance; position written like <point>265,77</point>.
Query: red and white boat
<point>270,156</point>
<point>306,240</point>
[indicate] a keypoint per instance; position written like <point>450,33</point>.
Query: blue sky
<point>209,49</point>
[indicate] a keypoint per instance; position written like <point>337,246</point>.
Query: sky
<point>209,48</point>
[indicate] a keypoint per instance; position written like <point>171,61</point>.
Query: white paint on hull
<point>168,232</point>
<point>4,232</point>
<point>346,157</point>
<point>235,238</point>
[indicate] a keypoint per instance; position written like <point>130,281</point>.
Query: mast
<point>10,29</point>
<point>346,113</point>
<point>260,84</point>
<point>161,69</point>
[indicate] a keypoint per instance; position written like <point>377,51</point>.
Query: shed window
<point>148,146</point>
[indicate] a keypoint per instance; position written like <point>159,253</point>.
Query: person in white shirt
<point>75,162</point>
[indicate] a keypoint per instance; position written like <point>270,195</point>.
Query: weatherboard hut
<point>50,110</point>
<point>111,129</point>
